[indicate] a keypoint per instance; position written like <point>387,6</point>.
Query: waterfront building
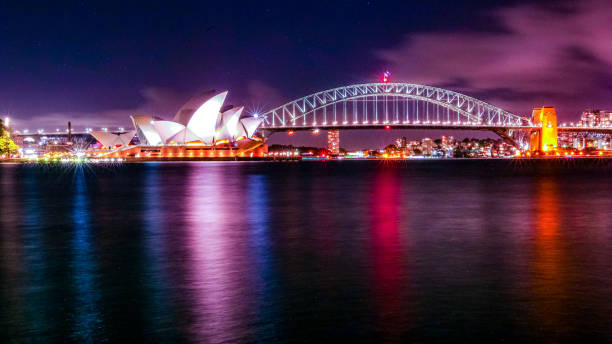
<point>413,146</point>
<point>596,118</point>
<point>402,142</point>
<point>427,146</point>
<point>200,128</point>
<point>199,121</point>
<point>333,141</point>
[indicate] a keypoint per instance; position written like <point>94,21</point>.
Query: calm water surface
<point>424,251</point>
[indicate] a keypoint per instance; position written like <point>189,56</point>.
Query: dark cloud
<point>554,55</point>
<point>95,64</point>
<point>157,101</point>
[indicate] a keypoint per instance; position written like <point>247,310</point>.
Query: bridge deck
<point>393,126</point>
<point>340,126</point>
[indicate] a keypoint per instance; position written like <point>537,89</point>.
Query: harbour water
<point>355,251</point>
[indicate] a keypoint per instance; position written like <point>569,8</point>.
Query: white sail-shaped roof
<point>251,124</point>
<point>105,138</point>
<point>198,120</point>
<point>112,140</point>
<point>167,129</point>
<point>146,132</point>
<point>241,131</point>
<point>184,114</point>
<point>185,136</point>
<point>127,137</point>
<point>228,128</point>
<point>203,123</point>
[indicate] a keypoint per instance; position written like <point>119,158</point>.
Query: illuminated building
<point>199,121</point>
<point>412,146</point>
<point>200,128</point>
<point>596,118</point>
<point>545,138</point>
<point>333,141</point>
<point>427,146</point>
<point>447,141</point>
<point>402,142</point>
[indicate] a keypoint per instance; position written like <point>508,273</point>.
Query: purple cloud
<point>543,56</point>
<point>156,101</point>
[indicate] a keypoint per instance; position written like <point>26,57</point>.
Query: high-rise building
<point>447,141</point>
<point>427,145</point>
<point>596,118</point>
<point>333,141</point>
<point>412,146</point>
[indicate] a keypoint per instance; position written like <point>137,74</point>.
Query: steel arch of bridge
<point>302,113</point>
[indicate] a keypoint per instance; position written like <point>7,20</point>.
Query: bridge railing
<point>388,103</point>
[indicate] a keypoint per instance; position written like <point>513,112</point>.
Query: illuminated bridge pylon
<point>392,105</point>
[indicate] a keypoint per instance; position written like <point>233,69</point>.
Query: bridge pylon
<point>545,137</point>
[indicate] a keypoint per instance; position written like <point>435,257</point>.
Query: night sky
<point>95,63</point>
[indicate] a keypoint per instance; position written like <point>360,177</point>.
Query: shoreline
<point>278,159</point>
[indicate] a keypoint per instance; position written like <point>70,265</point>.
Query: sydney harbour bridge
<point>388,105</point>
<point>408,106</point>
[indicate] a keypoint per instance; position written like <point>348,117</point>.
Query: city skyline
<point>117,69</point>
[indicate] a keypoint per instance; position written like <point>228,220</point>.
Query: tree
<point>390,149</point>
<point>460,152</point>
<point>7,146</point>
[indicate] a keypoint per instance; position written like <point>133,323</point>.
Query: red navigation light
<point>386,77</point>
<point>387,127</point>
<point>290,132</point>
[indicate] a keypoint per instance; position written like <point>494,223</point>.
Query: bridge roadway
<point>505,132</point>
<point>440,126</point>
<point>350,126</point>
<point>600,130</point>
<point>430,126</point>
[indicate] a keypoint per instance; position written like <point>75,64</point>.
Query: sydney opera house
<point>203,127</point>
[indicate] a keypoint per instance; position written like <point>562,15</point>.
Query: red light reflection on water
<point>389,272</point>
<point>549,284</point>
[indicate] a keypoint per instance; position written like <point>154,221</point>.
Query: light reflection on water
<point>217,241</point>
<point>389,264</point>
<point>357,251</point>
<point>87,317</point>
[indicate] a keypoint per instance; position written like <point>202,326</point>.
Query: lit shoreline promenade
<point>201,131</point>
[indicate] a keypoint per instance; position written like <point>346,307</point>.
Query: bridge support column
<point>545,138</point>
<point>509,136</point>
<point>333,141</point>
